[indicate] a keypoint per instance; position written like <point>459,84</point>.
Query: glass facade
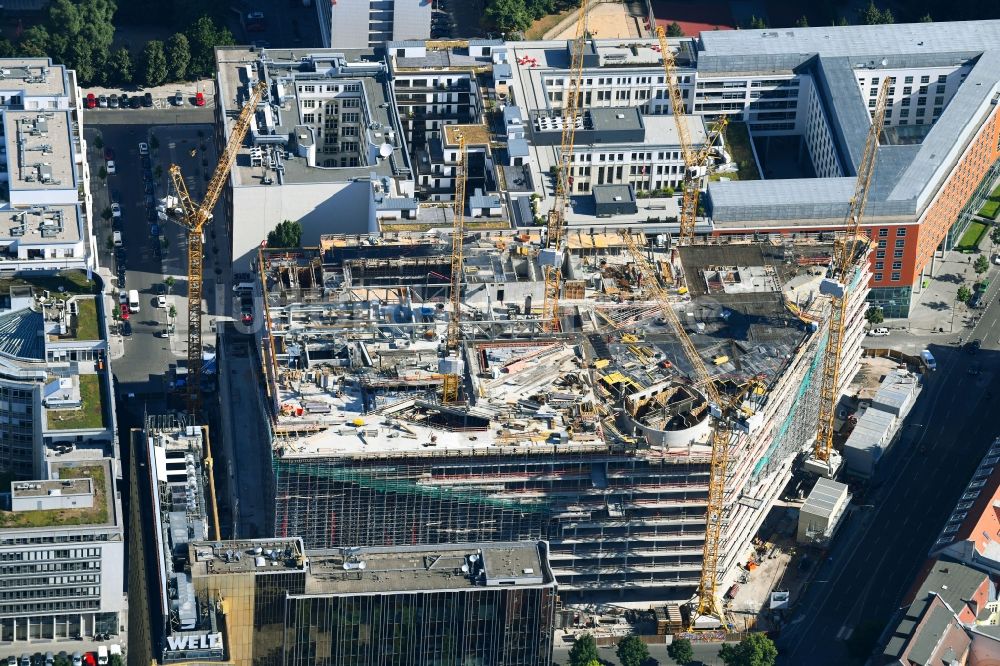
<point>894,301</point>
<point>501,626</point>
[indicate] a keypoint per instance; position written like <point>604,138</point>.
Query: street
<point>880,549</point>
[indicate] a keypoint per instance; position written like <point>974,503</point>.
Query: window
<point>880,254</point>
<point>901,231</point>
<point>939,100</point>
<point>906,102</point>
<point>901,242</point>
<point>883,232</point>
<point>908,90</point>
<point>349,131</point>
<point>878,277</point>
<point>908,79</point>
<point>904,113</point>
<point>923,90</point>
<point>925,79</point>
<point>879,265</point>
<point>942,78</point>
<point>871,104</point>
<point>897,254</point>
<point>873,92</point>
<point>881,243</point>
<point>921,112</point>
<point>896,277</point>
<point>309,104</point>
<point>897,265</point>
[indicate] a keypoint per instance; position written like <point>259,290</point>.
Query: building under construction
<point>595,438</point>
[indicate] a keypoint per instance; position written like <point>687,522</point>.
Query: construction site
<point>595,437</point>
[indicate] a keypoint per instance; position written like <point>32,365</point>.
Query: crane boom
<point>721,436</point>
<point>194,219</point>
<point>554,226</point>
<point>449,386</point>
<point>846,258</point>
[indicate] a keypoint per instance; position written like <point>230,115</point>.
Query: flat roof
<point>824,498</point>
<point>351,571</point>
<point>258,556</point>
<point>32,76</point>
<point>39,150</point>
<point>40,225</point>
<point>102,514</point>
<point>45,488</point>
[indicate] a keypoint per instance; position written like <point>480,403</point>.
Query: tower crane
<point>694,160</point>
<point>193,218</point>
<point>724,411</point>
<point>552,250</point>
<point>449,387</point>
<point>838,283</point>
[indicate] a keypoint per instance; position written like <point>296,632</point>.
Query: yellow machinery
<point>723,409</point>
<point>846,259</point>
<point>551,254</point>
<point>194,219</point>
<point>451,380</point>
<point>694,162</point>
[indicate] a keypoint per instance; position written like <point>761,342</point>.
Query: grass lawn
<point>72,282</point>
<point>90,414</point>
<point>86,321</point>
<point>95,515</point>
<point>970,239</point>
<point>546,23</point>
<point>737,139</point>
<point>992,205</point>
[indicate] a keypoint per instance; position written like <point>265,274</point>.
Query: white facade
<point>918,95</point>
<point>360,24</point>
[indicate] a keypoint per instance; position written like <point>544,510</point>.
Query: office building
<point>46,206</point>
<point>62,558</point>
<point>360,24</point>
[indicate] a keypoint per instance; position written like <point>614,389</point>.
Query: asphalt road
<point>881,549</point>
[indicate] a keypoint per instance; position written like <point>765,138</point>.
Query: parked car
<point>878,332</point>
<point>126,329</point>
<point>111,168</point>
<point>102,101</point>
<point>109,153</point>
<point>123,100</point>
<point>199,99</point>
<point>143,148</point>
<point>122,297</point>
<point>178,98</point>
<point>255,22</point>
<point>77,659</point>
<point>125,310</point>
<point>116,238</point>
<point>116,210</point>
<point>161,301</point>
<point>134,102</point>
<point>973,346</point>
<point>147,100</point>
<point>113,103</point>
<point>90,102</point>
<point>154,230</point>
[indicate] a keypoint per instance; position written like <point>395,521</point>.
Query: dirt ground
<point>606,21</point>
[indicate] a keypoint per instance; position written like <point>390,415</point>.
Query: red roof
<point>694,17</point>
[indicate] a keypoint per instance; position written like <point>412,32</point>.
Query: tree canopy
<point>178,56</point>
<point>584,651</point>
<point>632,651</point>
<point>675,30</point>
<point>155,63</point>
<point>203,36</point>
<point>754,650</point>
<point>681,651</point>
<point>286,234</point>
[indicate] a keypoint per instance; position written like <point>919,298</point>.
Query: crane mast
<point>194,218</point>
<point>450,383</point>
<point>551,254</point>
<point>838,285</point>
<point>721,435</point>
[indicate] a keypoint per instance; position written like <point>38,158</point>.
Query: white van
<point>116,237</point>
<point>102,655</point>
<point>928,359</point>
<point>133,300</point>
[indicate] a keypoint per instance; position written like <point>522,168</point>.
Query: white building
<point>359,24</point>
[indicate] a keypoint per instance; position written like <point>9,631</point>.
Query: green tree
<point>754,650</point>
<point>116,660</point>
<point>875,315</point>
<point>61,660</point>
<point>584,651</point>
<point>757,23</point>
<point>995,235</point>
<point>964,294</point>
<point>632,651</point>
<point>121,66</point>
<point>34,42</point>
<point>681,651</point>
<point>286,234</point>
<point>155,72</point>
<point>203,36</point>
<point>178,55</point>
<point>6,48</point>
<point>675,30</point>
<point>116,313</point>
<point>102,173</point>
<point>872,15</point>
<point>169,282</point>
<point>172,312</point>
<point>802,22</point>
<point>508,15</point>
<point>926,18</point>
<point>981,265</point>
<point>842,21</point>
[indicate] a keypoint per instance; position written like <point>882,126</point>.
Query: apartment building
<point>62,558</point>
<point>46,205</point>
<point>360,24</point>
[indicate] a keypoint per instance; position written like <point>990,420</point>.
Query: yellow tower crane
<point>724,410</point>
<point>450,383</point>
<point>194,217</point>
<point>847,258</point>
<point>552,251</point>
<point>694,161</point>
